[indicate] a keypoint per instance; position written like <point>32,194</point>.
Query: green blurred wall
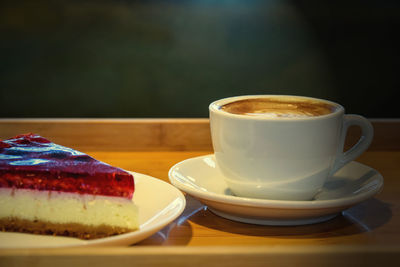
<point>172,58</point>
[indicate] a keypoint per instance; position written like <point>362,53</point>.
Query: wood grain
<point>116,135</point>
<point>206,256</point>
<point>156,134</point>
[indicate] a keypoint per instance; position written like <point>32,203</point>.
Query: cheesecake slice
<point>46,188</point>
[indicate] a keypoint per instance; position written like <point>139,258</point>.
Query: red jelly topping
<point>32,162</point>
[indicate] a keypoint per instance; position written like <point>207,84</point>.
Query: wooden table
<point>368,235</point>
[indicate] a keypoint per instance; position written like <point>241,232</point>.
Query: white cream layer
<point>62,207</point>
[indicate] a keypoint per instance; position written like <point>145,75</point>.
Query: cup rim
<point>214,107</point>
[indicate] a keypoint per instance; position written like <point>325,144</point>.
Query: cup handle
<point>367,133</point>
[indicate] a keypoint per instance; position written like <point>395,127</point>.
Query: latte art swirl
<point>277,114</point>
<point>279,108</point>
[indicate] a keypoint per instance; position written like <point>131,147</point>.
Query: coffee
<point>279,107</point>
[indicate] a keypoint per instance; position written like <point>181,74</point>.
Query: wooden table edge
<point>157,134</point>
<point>330,255</point>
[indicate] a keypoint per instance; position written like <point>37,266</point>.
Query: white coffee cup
<point>279,155</point>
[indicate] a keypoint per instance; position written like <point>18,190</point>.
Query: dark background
<point>172,58</point>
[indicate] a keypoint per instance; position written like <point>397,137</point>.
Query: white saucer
<point>201,178</point>
<point>159,204</point>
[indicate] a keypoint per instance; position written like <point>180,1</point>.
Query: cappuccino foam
<point>279,107</point>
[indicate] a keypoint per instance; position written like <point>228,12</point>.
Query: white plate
<point>201,178</point>
<point>159,204</point>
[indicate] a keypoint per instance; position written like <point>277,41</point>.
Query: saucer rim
<point>272,203</point>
